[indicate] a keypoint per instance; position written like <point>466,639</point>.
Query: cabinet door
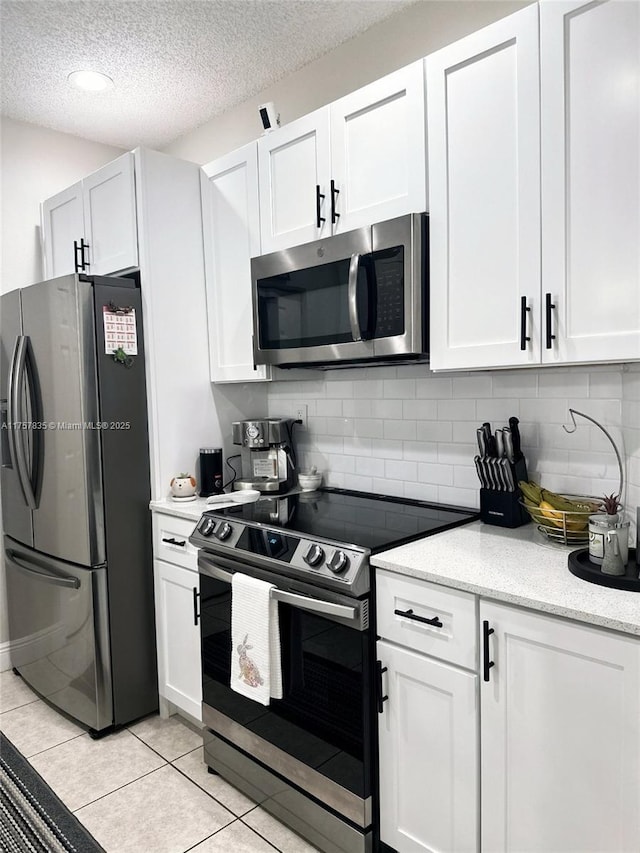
<point>484,196</point>
<point>378,153</point>
<point>179,678</point>
<point>293,161</point>
<point>110,217</point>
<point>62,224</point>
<point>428,734</point>
<point>590,85</point>
<point>231,221</point>
<point>560,736</point>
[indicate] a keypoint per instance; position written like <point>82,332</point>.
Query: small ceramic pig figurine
<point>183,486</point>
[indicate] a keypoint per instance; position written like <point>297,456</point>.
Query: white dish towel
<point>256,669</point>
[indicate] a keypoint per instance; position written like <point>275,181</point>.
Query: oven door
<point>318,735</point>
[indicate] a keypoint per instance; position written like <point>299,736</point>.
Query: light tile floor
<point>144,788</point>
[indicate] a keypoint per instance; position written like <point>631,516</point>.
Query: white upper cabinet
<point>590,78</point>
<point>378,154</point>
<point>231,237</point>
<point>535,254</point>
<point>109,200</point>
<point>294,168</point>
<point>62,222</point>
<point>91,226</point>
<point>357,161</point>
<point>484,196</point>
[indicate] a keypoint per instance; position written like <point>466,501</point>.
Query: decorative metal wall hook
<point>573,413</point>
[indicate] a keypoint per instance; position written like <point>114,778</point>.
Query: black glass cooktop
<point>376,522</point>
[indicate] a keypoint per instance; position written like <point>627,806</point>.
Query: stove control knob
<point>314,556</point>
<point>206,526</point>
<point>339,562</point>
<point>224,531</point>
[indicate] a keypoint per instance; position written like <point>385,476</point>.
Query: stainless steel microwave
<point>356,297</point>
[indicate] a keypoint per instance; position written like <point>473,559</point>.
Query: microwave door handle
<point>354,319</point>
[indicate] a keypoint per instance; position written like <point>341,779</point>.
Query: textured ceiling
<point>175,63</point>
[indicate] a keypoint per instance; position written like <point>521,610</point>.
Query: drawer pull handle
<point>196,612</point>
<point>381,695</point>
<point>411,615</point>
<point>173,541</point>
<point>488,663</point>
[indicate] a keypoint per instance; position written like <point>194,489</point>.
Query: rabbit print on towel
<point>256,669</point>
<point>249,672</point>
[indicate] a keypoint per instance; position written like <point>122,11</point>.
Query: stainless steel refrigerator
<point>75,497</point>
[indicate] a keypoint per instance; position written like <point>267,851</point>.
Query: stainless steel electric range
<point>310,757</point>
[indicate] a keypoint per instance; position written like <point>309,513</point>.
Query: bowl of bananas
<point>560,518</point>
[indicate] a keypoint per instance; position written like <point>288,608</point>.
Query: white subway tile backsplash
<point>370,467</point>
<point>373,428</point>
<point>397,470</point>
<point>472,387</point>
<point>408,432</point>
<point>329,408</point>
<point>434,431</point>
<point>420,410</point>
<point>399,389</point>
<point>440,475</point>
<point>456,410</point>
<point>572,384</point>
<point>400,429</point>
<point>421,451</point>
<point>434,388</point>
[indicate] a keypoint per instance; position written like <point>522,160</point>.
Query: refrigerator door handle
<point>21,464</point>
<point>34,568</point>
<point>13,406</point>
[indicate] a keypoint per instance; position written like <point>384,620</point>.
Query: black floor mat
<point>32,818</point>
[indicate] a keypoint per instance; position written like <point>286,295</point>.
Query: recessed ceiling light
<point>90,81</point>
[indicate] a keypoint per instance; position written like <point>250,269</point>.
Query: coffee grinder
<point>268,455</point>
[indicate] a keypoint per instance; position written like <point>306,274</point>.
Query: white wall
<point>36,163</point>
<point>409,35</point>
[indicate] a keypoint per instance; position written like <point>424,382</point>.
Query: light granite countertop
<point>181,509</point>
<point>514,566</point>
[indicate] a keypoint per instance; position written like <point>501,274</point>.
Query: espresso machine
<point>268,454</point>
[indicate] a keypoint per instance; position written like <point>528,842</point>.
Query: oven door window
<point>310,307</point>
<point>323,718</point>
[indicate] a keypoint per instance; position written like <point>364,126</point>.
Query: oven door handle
<point>304,602</point>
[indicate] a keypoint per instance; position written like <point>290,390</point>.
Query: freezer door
<point>57,321</point>
<point>58,632</point>
<point>16,514</point>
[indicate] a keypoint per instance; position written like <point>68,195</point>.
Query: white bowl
<point>309,482</point>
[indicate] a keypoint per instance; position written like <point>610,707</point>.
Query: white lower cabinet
<point>178,637</point>
<point>428,727</point>
<point>560,769</point>
<point>428,740</point>
<point>537,750</point>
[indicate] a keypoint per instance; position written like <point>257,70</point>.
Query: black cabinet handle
<point>196,614</point>
<point>486,633</point>
<point>523,322</point>
<point>381,697</point>
<point>411,615</point>
<point>77,263</point>
<point>549,306</point>
<point>173,541</point>
<point>319,199</point>
<point>85,262</point>
<point>334,194</point>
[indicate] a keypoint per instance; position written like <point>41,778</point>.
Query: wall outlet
<point>300,414</point>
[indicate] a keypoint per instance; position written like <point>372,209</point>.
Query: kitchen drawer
<point>171,540</point>
<point>453,641</point>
